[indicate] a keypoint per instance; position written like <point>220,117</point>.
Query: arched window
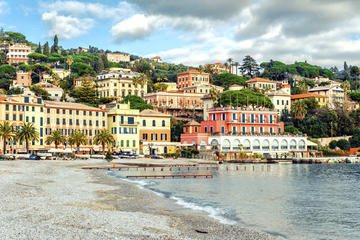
<point>185,142</point>
<point>275,145</point>
<point>236,145</point>
<point>226,145</point>
<point>293,144</point>
<point>284,144</point>
<point>214,142</point>
<point>266,145</point>
<point>256,144</point>
<point>302,144</point>
<point>247,145</point>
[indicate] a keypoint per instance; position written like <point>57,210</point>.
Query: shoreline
<point>58,200</point>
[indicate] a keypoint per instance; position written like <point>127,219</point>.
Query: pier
<point>173,176</point>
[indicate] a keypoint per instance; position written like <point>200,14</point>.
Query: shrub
<point>343,144</point>
<point>333,144</point>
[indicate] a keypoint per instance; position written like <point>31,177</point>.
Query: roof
<point>193,123</point>
<point>323,88</point>
<point>260,80</point>
<point>307,95</point>
<point>156,57</point>
<point>190,71</point>
<point>56,104</point>
<point>150,112</point>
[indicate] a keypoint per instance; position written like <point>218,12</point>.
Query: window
<point>57,111</point>
<point>77,112</point>
<point>244,129</point>
<point>134,143</point>
<point>26,99</point>
<point>243,118</point>
<point>114,118</point>
<point>33,109</point>
<point>234,116</point>
<point>223,130</point>
<point>84,122</point>
<point>261,129</point>
<point>130,120</point>
<point>57,121</point>
<point>84,113</point>
<point>14,117</point>
<point>122,119</point>
<point>122,143</point>
<point>205,129</point>
<point>271,119</point>
<point>90,123</point>
<point>64,111</point>
<point>70,112</point>
<point>14,107</point>
<point>97,123</point>
<point>252,129</point>
<point>145,136</point>
<point>144,123</point>
<point>163,123</point>
<point>213,117</point>
<point>154,123</point>
<point>7,107</point>
<point>128,143</point>
<point>211,129</point>
<point>41,121</point>
<point>48,110</point>
<point>70,122</point>
<point>77,122</point>
<point>261,118</point>
<point>48,120</point>
<point>252,118</point>
<point>223,116</point>
<point>20,117</point>
<point>90,113</point>
<point>33,119</point>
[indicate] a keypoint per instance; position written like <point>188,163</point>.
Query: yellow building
<point>202,88</point>
<point>321,99</point>
<point>262,83</point>
<point>155,132</point>
<point>119,84</point>
<point>117,57</point>
<point>123,124</point>
<point>281,98</point>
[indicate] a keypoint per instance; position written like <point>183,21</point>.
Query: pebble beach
<point>59,200</point>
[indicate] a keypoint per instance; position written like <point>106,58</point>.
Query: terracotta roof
<point>260,80</point>
<point>193,123</point>
<point>150,112</point>
<point>190,71</point>
<point>307,95</point>
<point>155,58</point>
<point>56,104</point>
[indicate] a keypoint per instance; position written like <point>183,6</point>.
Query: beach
<point>59,200</point>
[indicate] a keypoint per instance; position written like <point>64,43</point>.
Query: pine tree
<point>55,46</point>
<point>105,61</point>
<point>99,65</point>
<point>46,49</point>
<point>346,68</point>
<point>38,50</point>
<point>250,66</point>
<point>87,92</point>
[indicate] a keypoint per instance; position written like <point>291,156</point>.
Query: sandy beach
<point>59,200</point>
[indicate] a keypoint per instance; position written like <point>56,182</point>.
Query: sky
<point>193,32</point>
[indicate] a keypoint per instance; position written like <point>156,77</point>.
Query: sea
<point>291,201</point>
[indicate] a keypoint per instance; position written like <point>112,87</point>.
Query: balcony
<point>129,123</point>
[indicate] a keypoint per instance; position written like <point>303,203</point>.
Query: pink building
<point>192,77</point>
<point>23,79</point>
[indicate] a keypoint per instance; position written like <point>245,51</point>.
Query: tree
<point>343,144</point>
<point>39,70</point>
<point>142,66</point>
<point>243,98</point>
<point>38,57</point>
<point>86,93</point>
<point>104,137</point>
<point>333,144</point>
<point>46,49</point>
<point>105,61</point>
<point>15,37</point>
<point>354,72</point>
<point>99,66</point>
<point>55,46</point>
<point>177,128</point>
<point>6,133</point>
<point>7,75</point>
<point>355,139</point>
<point>82,69</point>
<point>56,137</point>
<point>69,61</point>
<point>136,102</point>
<point>214,94</point>
<point>38,49</point>
<point>159,87</point>
<point>142,79</point>
<point>250,66</point>
<point>230,61</point>
<point>77,138</point>
<point>227,79</point>
<point>27,133</point>
<point>346,68</point>
<point>298,110</point>
<point>292,130</point>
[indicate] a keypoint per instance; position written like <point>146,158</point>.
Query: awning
<point>310,143</point>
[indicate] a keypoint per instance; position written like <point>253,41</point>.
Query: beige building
<point>219,68</point>
<point>17,53</point>
<point>281,98</point>
<point>202,88</point>
<point>123,123</point>
<point>335,94</point>
<point>117,57</point>
<point>156,59</point>
<point>236,87</point>
<point>171,86</point>
<point>23,79</point>
<point>54,91</point>
<point>262,83</point>
<point>119,84</point>
<point>59,72</point>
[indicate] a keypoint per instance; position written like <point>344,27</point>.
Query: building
<point>202,88</point>
<point>17,53</point>
<point>335,94</point>
<point>321,99</point>
<point>23,79</point>
<point>219,68</point>
<point>82,50</point>
<point>176,103</point>
<point>48,116</point>
<point>155,132</point>
<point>156,59</point>
<point>192,77</point>
<point>119,84</point>
<point>123,123</point>
<point>118,57</point>
<point>236,87</point>
<point>60,73</point>
<point>171,86</point>
<point>55,93</point>
<point>262,83</point>
<point>250,130</point>
<point>281,98</point>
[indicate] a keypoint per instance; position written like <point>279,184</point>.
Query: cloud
<point>66,27</point>
<point>3,7</point>
<point>209,9</point>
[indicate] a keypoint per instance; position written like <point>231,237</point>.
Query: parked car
<point>33,157</point>
<point>156,157</point>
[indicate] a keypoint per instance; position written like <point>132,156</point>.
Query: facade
<point>321,99</point>
<point>59,72</point>
<point>281,98</point>
<point>155,132</point>
<point>231,131</point>
<point>335,94</point>
<point>177,103</point>
<point>171,86</point>
<point>119,84</point>
<point>219,68</point>
<point>262,83</point>
<point>54,91</point>
<point>18,53</point>
<point>236,87</point>
<point>23,79</point>
<point>202,88</point>
<point>156,59</point>
<point>123,123</point>
<point>192,77</point>
<point>48,116</point>
<point>117,57</point>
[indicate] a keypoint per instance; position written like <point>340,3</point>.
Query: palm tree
<point>162,79</point>
<point>56,137</point>
<point>237,66</point>
<point>214,94</point>
<point>230,61</point>
<point>69,61</point>
<point>6,132</point>
<point>142,79</point>
<point>201,68</point>
<point>104,137</point>
<point>298,110</point>
<point>77,138</point>
<point>27,133</point>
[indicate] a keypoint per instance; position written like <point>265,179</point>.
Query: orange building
<point>261,83</point>
<point>18,53</point>
<point>23,79</point>
<point>192,77</point>
<point>321,99</point>
<point>219,68</point>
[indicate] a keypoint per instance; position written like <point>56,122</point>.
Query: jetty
<point>173,176</point>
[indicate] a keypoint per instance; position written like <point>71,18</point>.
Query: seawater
<point>291,201</point>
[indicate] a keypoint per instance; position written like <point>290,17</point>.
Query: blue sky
<point>196,32</point>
